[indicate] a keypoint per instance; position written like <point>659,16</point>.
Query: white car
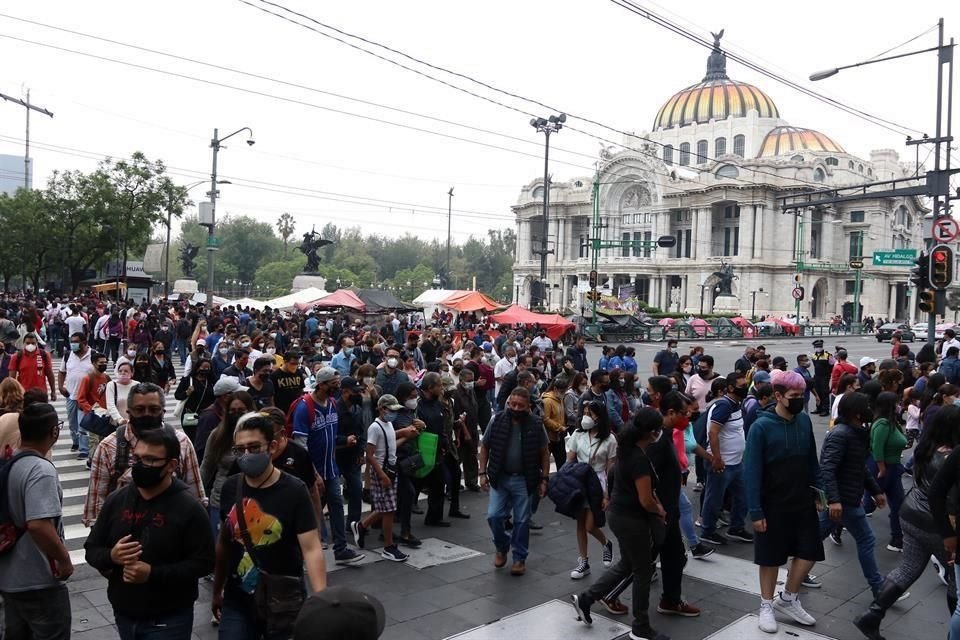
<point>920,330</point>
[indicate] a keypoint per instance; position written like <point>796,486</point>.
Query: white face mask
<point>587,423</point>
<point>270,351</point>
<point>392,363</point>
<point>468,385</point>
<point>329,349</point>
<point>411,404</point>
<point>30,348</point>
<point>583,389</point>
<point>223,351</point>
<point>245,344</point>
<point>369,381</point>
<point>131,353</point>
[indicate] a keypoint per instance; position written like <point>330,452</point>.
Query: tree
<point>246,244</point>
<point>286,226</point>
<point>275,278</point>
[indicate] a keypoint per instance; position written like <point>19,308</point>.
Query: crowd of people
<point>286,425</point>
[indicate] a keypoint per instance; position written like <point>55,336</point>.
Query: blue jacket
<point>342,363</point>
<point>950,368</point>
<point>780,465</point>
<point>574,487</point>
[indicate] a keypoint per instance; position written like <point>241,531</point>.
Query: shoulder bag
<point>99,425</point>
<point>277,598</point>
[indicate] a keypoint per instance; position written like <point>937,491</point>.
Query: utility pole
<point>26,104</point>
<point>449,218</point>
<point>547,126</point>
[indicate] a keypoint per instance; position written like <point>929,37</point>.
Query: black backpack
<point>9,532</point>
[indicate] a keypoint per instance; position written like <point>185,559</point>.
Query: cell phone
<point>820,498</point>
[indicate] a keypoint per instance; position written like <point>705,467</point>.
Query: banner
<point>153,258</point>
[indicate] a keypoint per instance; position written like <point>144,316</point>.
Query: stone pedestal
<point>305,281</point>
<point>726,304</point>
<point>185,286</point>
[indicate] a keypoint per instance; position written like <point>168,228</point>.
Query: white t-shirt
<point>590,450</point>
<point>835,407</point>
<point>75,324</point>
<point>76,367</point>
<point>502,369</point>
<point>732,440</point>
<point>947,344</point>
<point>375,436</point>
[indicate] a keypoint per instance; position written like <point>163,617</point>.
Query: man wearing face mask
<point>503,367</point>
<point>391,374</point>
<point>780,466</point>
<point>110,467</point>
<point>431,411</point>
<point>803,368</point>
<point>726,444</point>
<point>665,362</point>
<point>260,385</point>
<point>577,353</point>
<point>345,359</point>
<point>318,433</point>
<point>351,444</point>
<point>75,365</point>
<point>510,380</point>
<point>465,404</point>
<point>239,369</point>
<point>32,367</point>
<point>153,543</point>
<point>823,363</point>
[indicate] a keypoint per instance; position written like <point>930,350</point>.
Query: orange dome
<point>787,140</point>
<point>714,100</point>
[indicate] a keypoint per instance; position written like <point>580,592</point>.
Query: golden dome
<point>787,140</point>
<point>716,97</point>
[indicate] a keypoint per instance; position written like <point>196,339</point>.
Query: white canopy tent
<point>288,301</point>
<point>248,302</point>
<point>431,299</point>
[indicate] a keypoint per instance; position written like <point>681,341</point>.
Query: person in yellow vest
<point>823,362</point>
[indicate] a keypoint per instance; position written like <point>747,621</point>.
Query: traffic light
<point>593,279</point>
<point>920,274</point>
<point>925,301</point>
<point>941,266</point>
<point>593,295</point>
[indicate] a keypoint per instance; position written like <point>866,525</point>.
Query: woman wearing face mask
<point>142,370</point>
<point>592,444</point>
<point>199,333</point>
<point>616,398</point>
<point>163,372</point>
<point>116,393</point>
<point>571,401</point>
<point>684,371</point>
<point>128,353</point>
<point>218,455</point>
<point>633,511</point>
<point>196,392</point>
<point>223,358</point>
<point>887,442</point>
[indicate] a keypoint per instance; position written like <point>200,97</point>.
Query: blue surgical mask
<point>390,416</point>
<point>75,347</point>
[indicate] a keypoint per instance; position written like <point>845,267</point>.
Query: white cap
<point>865,360</point>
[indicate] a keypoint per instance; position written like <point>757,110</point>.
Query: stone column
<point>696,253</point>
<point>827,236</point>
<point>807,233</point>
<point>561,246</point>
<point>705,232</point>
<point>758,230</point>
<point>891,300</point>
<point>523,240</point>
<point>747,231</point>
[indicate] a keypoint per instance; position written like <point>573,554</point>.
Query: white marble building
<point>724,157</point>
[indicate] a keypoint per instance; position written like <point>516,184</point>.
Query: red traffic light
<point>939,256</point>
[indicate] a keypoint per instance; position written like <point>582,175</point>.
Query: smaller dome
<point>782,141</point>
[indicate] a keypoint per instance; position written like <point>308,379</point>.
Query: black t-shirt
<point>628,468</point>
<point>293,460</point>
<point>264,395</point>
<point>664,459</point>
<point>288,386</point>
<point>275,516</point>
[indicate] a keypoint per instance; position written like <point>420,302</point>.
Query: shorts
<point>794,534</point>
<point>384,498</point>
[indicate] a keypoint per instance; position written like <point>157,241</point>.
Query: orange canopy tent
<point>555,325</point>
<point>339,298</point>
<point>469,301</point>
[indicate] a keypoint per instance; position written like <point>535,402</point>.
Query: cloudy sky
<point>349,161</point>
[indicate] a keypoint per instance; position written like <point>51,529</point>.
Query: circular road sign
<point>798,293</point>
<point>945,229</point>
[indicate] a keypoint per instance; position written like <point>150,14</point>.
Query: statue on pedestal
<point>725,278</point>
<point>187,256</point>
<point>312,242</point>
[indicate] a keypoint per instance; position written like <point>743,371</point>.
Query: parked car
<point>920,330</point>
<point>887,331</point>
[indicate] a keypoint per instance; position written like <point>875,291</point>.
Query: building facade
<point>709,174</point>
<point>11,174</point>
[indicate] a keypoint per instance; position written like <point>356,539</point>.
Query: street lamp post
<point>216,143</point>
<point>753,305</point>
<point>449,218</point>
<point>553,124</point>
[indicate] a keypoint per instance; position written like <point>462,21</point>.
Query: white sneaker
<point>768,619</point>
<point>582,570</point>
<point>794,609</point>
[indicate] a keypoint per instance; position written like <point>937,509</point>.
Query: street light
<point>449,218</point>
<point>753,306</point>
<point>553,124</point>
<point>166,267</point>
<point>216,143</point>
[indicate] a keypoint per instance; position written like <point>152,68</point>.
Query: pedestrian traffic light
<point>941,266</point>
<point>920,274</point>
<point>925,301</point>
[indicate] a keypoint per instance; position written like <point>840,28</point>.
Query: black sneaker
<point>741,535</point>
<point>811,582</point>
<point>714,538</point>
<point>348,556</point>
<point>359,532</point>
<point>836,537</point>
<point>75,448</point>
<point>581,604</point>
<point>534,526</point>
<point>409,540</point>
<point>702,551</point>
<point>393,554</point>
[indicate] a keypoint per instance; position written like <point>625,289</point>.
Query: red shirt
<point>32,368</point>
<point>839,369</point>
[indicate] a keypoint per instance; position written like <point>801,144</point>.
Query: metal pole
<point>26,153</point>
<point>932,319</point>
<point>215,143</point>
<point>595,240</point>
<point>449,218</point>
<point>799,232</point>
<point>856,284</point>
<point>703,288</point>
<point>166,267</point>
<point>753,306</point>
<point>546,221</point>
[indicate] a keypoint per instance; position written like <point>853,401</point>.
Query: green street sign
<point>213,242</point>
<point>895,258</point>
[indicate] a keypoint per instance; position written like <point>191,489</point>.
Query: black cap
<point>350,384</point>
<point>818,343</point>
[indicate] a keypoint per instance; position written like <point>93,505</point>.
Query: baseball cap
<point>487,346</point>
<point>761,376</point>
<point>865,360</point>
<point>326,374</point>
<point>390,402</point>
<point>337,613</point>
<point>202,341</point>
<point>778,360</point>
<point>350,384</point>
<point>227,384</point>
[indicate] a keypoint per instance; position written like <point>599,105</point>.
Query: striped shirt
<point>319,434</point>
<point>102,465</point>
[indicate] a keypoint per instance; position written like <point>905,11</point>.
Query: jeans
<point>352,476</point>
<point>333,498</point>
<point>510,492</point>
<point>955,619</point>
<point>43,614</point>
<point>177,625</point>
<point>78,437</point>
<point>855,520</point>
<point>717,485</point>
<point>241,624</point>
<point>686,521</point>
<point>180,348</point>
<point>214,513</point>
<point>113,349</point>
<point>892,486</point>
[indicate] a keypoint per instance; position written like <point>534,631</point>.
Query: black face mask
<point>140,424</point>
<point>101,368</point>
<point>147,477</point>
<point>740,392</point>
<point>517,415</point>
<point>795,405</point>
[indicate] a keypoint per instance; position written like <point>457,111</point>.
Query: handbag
<point>277,598</point>
<point>99,425</point>
<point>427,446</point>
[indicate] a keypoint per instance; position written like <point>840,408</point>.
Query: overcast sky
<point>587,57</point>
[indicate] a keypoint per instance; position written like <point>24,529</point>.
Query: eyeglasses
<point>150,461</point>
<point>254,447</point>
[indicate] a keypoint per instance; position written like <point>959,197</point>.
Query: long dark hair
<point>934,382</point>
<point>599,412</point>
<point>643,424</point>
<point>941,432</point>
<point>885,408</point>
<point>221,440</point>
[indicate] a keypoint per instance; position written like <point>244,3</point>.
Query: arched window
<point>719,147</point>
<point>850,165</point>
<point>728,171</point>
<point>869,172</point>
<point>702,151</point>
<point>739,145</point>
<point>578,184</point>
<point>538,193</point>
<point>819,175</point>
<point>668,154</point>
<point>684,154</point>
<point>833,162</point>
<point>860,168</point>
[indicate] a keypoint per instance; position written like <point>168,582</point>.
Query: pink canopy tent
<point>554,324</point>
<point>340,298</point>
<point>667,322</point>
<point>700,325</point>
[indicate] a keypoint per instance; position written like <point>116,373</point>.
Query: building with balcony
<point>709,173</point>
